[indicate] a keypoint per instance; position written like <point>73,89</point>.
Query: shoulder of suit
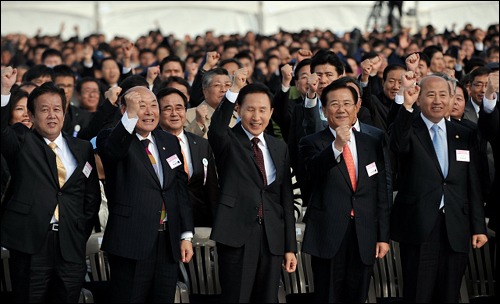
<point>195,137</point>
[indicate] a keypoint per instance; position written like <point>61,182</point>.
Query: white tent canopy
<point>133,19</point>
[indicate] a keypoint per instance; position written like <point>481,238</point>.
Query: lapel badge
<point>456,136</point>
<point>205,162</point>
<point>163,148</point>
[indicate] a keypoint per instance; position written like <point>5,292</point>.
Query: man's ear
<point>123,108</point>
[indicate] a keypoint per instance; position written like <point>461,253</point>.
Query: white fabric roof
<point>136,18</point>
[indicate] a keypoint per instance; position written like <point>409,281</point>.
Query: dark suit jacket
<point>422,185</point>
<point>75,116</point>
<point>489,126</point>
<point>36,192</point>
<point>333,198</point>
<point>203,197</point>
<point>135,195</point>
<point>243,190</point>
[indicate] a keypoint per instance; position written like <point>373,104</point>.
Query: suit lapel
<point>137,148</point>
<point>273,150</point>
<point>74,149</point>
<point>328,138</point>
<point>194,151</point>
<point>51,158</point>
<point>453,138</point>
<point>362,154</point>
<point>470,112</point>
<point>423,135</point>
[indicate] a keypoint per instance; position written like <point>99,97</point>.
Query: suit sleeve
<point>113,144</point>
<point>281,114</point>
<point>212,183</point>
<point>11,144</point>
<point>312,122</point>
<point>489,124</point>
<point>105,112</point>
<point>400,132</point>
<point>288,207</point>
<point>317,162</point>
<point>384,197</point>
<point>219,126</point>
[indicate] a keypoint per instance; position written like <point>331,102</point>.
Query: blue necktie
<point>437,141</point>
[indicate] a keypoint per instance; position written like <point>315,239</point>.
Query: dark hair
<point>243,54</point>
<point>392,67</point>
<point>327,57</point>
<point>462,86</point>
<point>177,79</point>
<point>349,79</point>
<point>252,89</point>
<point>38,71</point>
<point>229,60</point>
<point>15,96</point>
<point>168,91</point>
<point>336,85</point>
<point>431,50</point>
<point>481,71</point>
<point>46,88</point>
<point>51,52</point>
<point>300,65</point>
<point>27,84</point>
<point>472,63</point>
<point>130,82</point>
<point>63,70</point>
<point>172,58</point>
<point>144,51</point>
<point>492,49</point>
<point>80,82</point>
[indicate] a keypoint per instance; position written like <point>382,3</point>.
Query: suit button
<point>444,183</point>
<point>353,198</point>
<point>59,193</point>
<point>256,208</point>
<point>263,191</point>
<point>348,216</point>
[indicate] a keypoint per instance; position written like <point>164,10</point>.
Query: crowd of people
<point>249,135</point>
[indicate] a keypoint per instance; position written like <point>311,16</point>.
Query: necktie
<point>437,141</point>
<point>61,174</point>
<point>186,167</point>
<point>259,157</point>
<point>351,168</point>
<point>145,143</point>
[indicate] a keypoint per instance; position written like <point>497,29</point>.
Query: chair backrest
<point>388,274</point>
<point>479,272</point>
<point>6,280</point>
<point>300,281</point>
<point>203,269</point>
<point>99,267</point>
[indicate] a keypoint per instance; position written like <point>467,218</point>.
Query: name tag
<point>87,169</point>
<point>371,169</point>
<point>174,161</point>
<point>463,156</point>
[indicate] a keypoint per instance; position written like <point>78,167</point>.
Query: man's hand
<point>312,85</point>
<point>377,63</point>
<point>382,249</point>
<point>133,100</point>
<point>491,87</point>
<point>127,49</point>
<point>240,80</point>
<point>87,54</point>
<point>186,251</point>
<point>192,69</point>
<point>291,262</point>
<point>478,240</point>
<point>112,94</point>
<point>9,77</point>
<point>412,62</point>
<point>343,136</point>
<point>303,54</point>
<point>153,72</point>
<point>411,96</point>
<point>407,80</point>
<point>287,72</point>
<point>212,59</point>
<point>201,115</point>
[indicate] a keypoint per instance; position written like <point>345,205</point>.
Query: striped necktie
<point>260,161</point>
<point>61,174</point>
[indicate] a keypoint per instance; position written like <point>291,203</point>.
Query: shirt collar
<point>476,107</point>
<point>441,124</point>
<point>183,137</point>
<point>150,137</point>
<point>356,125</point>
<point>59,141</point>
<point>260,137</point>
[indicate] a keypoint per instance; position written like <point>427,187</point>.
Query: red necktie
<point>351,168</point>
<point>260,162</point>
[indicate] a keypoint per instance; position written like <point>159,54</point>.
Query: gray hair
<point>448,78</point>
<point>209,75</point>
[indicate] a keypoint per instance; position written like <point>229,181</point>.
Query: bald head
<point>426,80</point>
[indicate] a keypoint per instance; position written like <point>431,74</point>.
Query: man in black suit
<point>488,123</point>
<point>150,223</point>
<point>438,210</point>
<point>254,226</point>
<point>199,161</point>
<point>48,219</point>
<point>348,214</point>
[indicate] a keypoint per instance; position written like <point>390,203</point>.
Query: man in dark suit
<point>438,210</point>
<point>254,226</point>
<point>488,123</point>
<point>199,161</point>
<point>348,214</point>
<point>150,224</point>
<point>48,219</point>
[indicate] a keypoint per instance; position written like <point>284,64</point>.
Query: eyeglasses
<point>336,105</point>
<point>219,85</point>
<point>89,92</point>
<point>480,85</point>
<point>168,109</point>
